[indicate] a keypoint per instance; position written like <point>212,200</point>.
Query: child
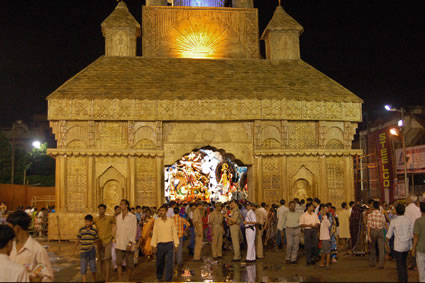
<point>325,238</point>
<point>86,239</point>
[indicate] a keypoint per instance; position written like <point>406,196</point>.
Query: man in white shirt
<point>310,222</point>
<point>413,211</point>
<point>280,229</point>
<point>27,251</point>
<point>9,271</point>
<point>263,209</point>
<point>402,229</point>
<point>126,230</point>
<point>316,204</point>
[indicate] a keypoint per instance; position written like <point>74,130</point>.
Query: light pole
<point>12,173</point>
<point>403,142</point>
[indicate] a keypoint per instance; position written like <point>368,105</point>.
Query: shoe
<point>236,259</point>
<point>260,257</point>
<point>293,262</point>
<point>250,261</point>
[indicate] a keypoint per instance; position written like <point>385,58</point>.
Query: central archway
<point>206,174</point>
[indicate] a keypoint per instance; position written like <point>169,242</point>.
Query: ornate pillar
<point>159,172</point>
<point>323,180</point>
<point>259,174</point>
<point>284,178</point>
<point>91,185</point>
<point>131,183</point>
<point>349,178</point>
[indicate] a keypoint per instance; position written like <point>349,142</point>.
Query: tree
<point>5,159</point>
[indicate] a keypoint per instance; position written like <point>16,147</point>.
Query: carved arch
<point>111,187</point>
<point>144,138</point>
<point>79,133</point>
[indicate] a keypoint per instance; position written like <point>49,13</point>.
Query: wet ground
<point>65,261</point>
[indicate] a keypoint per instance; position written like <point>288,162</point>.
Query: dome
<point>199,3</point>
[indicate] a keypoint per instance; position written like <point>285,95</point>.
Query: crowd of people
<point>319,231</point>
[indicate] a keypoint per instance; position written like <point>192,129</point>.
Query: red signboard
<point>384,154</point>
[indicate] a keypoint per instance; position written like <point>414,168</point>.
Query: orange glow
<point>393,132</point>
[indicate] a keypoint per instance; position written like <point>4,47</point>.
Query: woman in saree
<point>357,230</point>
<point>146,236</point>
<point>271,227</point>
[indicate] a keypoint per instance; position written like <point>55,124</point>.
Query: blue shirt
<point>402,229</point>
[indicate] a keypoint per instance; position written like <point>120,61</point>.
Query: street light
<point>394,132</point>
<point>403,142</point>
<point>36,144</point>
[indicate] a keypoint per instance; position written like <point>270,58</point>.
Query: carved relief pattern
<point>244,109</point>
<point>303,135</point>
<point>335,170</point>
<point>145,181</point>
<point>110,135</point>
<point>271,179</point>
<point>76,184</point>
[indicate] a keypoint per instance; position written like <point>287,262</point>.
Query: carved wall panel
<point>146,189</point>
<point>218,110</point>
<point>200,32</point>
<point>235,138</point>
<point>336,179</point>
<point>111,135</point>
<point>303,134</point>
<point>76,184</point>
<point>271,179</point>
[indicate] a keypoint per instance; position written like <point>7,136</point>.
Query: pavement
<point>65,261</point>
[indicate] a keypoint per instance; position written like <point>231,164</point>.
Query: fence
<point>20,195</point>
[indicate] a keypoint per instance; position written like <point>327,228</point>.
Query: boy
<point>86,239</point>
<point>325,238</point>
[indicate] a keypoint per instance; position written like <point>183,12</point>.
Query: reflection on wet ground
<point>65,261</point>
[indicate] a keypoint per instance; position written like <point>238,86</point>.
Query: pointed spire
<point>282,36</point>
<point>282,21</point>
<point>120,30</point>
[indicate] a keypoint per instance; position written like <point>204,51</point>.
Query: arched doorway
<point>206,174</point>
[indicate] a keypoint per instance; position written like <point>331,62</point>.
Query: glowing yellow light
<point>393,132</point>
<point>197,45</point>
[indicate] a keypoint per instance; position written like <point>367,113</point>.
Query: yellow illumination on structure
<point>199,38</point>
<point>196,45</point>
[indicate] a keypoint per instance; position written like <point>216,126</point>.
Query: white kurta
<point>250,235</point>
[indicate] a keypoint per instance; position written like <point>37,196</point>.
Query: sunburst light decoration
<point>195,38</point>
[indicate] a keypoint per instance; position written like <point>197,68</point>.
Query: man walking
<point>164,241</point>
<point>250,222</point>
<point>234,221</point>
<point>199,231</point>
<point>280,229</point>
<point>310,222</point>
<point>402,229</point>
<point>376,224</point>
<point>261,220</point>
<point>125,239</point>
<point>180,224</point>
<point>216,222</point>
<point>105,226</point>
<point>418,249</point>
<point>291,224</point>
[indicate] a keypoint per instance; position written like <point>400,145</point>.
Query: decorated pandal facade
<point>199,116</point>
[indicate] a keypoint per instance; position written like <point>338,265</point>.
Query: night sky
<point>375,48</point>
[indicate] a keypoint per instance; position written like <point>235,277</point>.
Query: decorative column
<point>131,182</point>
<point>159,163</point>
<point>323,180</point>
<point>349,178</point>
<point>91,185</point>
<point>284,174</point>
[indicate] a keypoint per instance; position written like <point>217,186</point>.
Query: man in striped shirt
<point>376,224</point>
<point>86,239</point>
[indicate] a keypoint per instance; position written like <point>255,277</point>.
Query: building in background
<point>379,173</point>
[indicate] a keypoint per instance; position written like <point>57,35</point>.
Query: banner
<point>384,155</point>
<point>415,159</point>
